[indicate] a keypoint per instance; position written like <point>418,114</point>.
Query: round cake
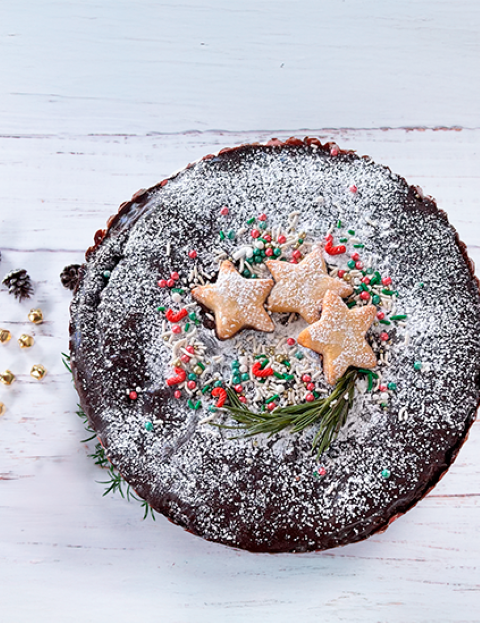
<point>278,346</point>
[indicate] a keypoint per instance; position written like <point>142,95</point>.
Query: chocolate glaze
<point>261,495</point>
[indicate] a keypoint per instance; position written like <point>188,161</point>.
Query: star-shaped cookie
<point>236,302</point>
<point>339,336</point>
<point>301,287</point>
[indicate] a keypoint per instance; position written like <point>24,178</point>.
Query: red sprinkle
<point>271,406</point>
<point>162,283</point>
<point>310,387</point>
<point>242,399</point>
<point>306,378</point>
<point>293,261</point>
<point>297,254</point>
<point>341,273</point>
<point>175,276</point>
<point>175,380</point>
<point>255,233</point>
<point>221,394</point>
<point>190,349</point>
<point>384,336</point>
<point>191,384</point>
<point>386,281</point>
<point>262,217</point>
<point>382,388</point>
<point>380,315</point>
<point>176,328</point>
<point>359,265</point>
<point>291,341</point>
<point>177,393</point>
<point>257,371</point>
<point>268,238</point>
<point>171,316</point>
<point>366,279</point>
<point>353,188</point>
<point>170,283</point>
<point>330,249</point>
<point>281,239</point>
<point>321,471</point>
<point>238,389</point>
<point>365,296</point>
<point>269,252</point>
<point>224,211</point>
<point>185,358</point>
<point>133,395</point>
<point>355,256</point>
<point>192,254</point>
<point>334,150</point>
<point>309,397</point>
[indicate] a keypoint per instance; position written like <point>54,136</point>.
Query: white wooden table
<point>100,98</point>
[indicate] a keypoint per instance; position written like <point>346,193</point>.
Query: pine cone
<point>69,276</point>
<point>19,284</point>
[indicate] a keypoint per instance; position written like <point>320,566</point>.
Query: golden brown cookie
<point>339,336</point>
<point>301,287</point>
<point>236,302</point>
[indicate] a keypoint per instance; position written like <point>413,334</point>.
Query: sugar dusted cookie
<point>339,336</point>
<point>301,287</point>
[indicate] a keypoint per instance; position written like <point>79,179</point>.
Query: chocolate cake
<point>167,383</point>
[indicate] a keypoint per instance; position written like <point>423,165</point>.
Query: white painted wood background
<point>102,97</point>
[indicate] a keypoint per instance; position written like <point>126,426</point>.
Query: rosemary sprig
<point>330,412</point>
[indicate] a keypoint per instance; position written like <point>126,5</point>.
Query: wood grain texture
<point>103,97</point>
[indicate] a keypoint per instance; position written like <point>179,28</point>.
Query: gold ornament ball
<point>26,341</point>
<point>36,316</point>
<point>347,277</point>
<point>38,372</point>
<point>7,377</point>
<point>5,336</point>
<point>3,408</point>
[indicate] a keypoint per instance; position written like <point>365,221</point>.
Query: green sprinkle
<point>420,284</point>
<point>387,292</point>
<point>222,235</point>
<point>197,323</point>
<point>198,404</point>
<point>370,382</point>
<point>187,326</point>
<point>218,384</point>
<point>161,308</point>
<point>385,473</point>
<point>192,376</point>
<point>369,271</point>
<point>271,399</point>
<point>253,276</point>
<point>107,274</point>
<point>206,389</point>
<point>278,375</point>
<point>316,394</point>
<point>351,232</point>
<point>286,363</point>
<point>262,381</point>
<point>385,321</point>
<point>358,246</point>
<point>231,234</point>
<point>363,371</point>
<point>246,273</point>
<point>258,259</point>
<point>262,253</point>
<point>261,356</point>
<point>251,221</point>
<point>375,299</point>
<point>192,316</point>
<point>212,408</point>
<point>300,241</point>
<point>351,304</point>
<point>277,252</point>
<point>263,225</point>
<point>417,365</point>
<point>256,251</point>
<point>351,264</point>
<point>201,365</point>
<point>363,287</point>
<point>245,376</point>
<point>299,355</point>
<point>384,405</point>
<point>249,260</point>
<point>343,239</point>
<point>264,364</point>
<point>178,290</point>
<point>289,377</point>
<point>190,404</point>
<point>236,379</point>
<point>398,317</point>
<point>149,426</point>
<point>392,386</point>
<point>235,363</point>
<point>339,224</point>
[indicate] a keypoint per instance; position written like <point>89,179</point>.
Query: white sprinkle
<point>407,338</point>
<point>208,418</point>
<point>168,247</point>
<point>370,222</point>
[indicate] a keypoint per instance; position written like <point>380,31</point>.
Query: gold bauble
<point>35,316</point>
<point>3,408</point>
<point>347,277</point>
<point>26,341</point>
<point>7,377</point>
<point>38,372</point>
<point>5,336</point>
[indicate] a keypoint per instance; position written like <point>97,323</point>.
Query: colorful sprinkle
<point>386,281</point>
<point>255,233</point>
<point>353,188</point>
<point>170,283</point>
<point>149,426</point>
<point>281,239</point>
<point>417,365</point>
<point>192,254</point>
<point>309,397</point>
<point>221,394</point>
<point>177,393</point>
<point>191,384</point>
<point>224,211</point>
<point>262,217</point>
<point>133,395</point>
<point>180,377</point>
<point>291,341</point>
<point>171,316</point>
<point>385,473</point>
<point>162,283</point>
<point>384,336</point>
<point>176,328</point>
